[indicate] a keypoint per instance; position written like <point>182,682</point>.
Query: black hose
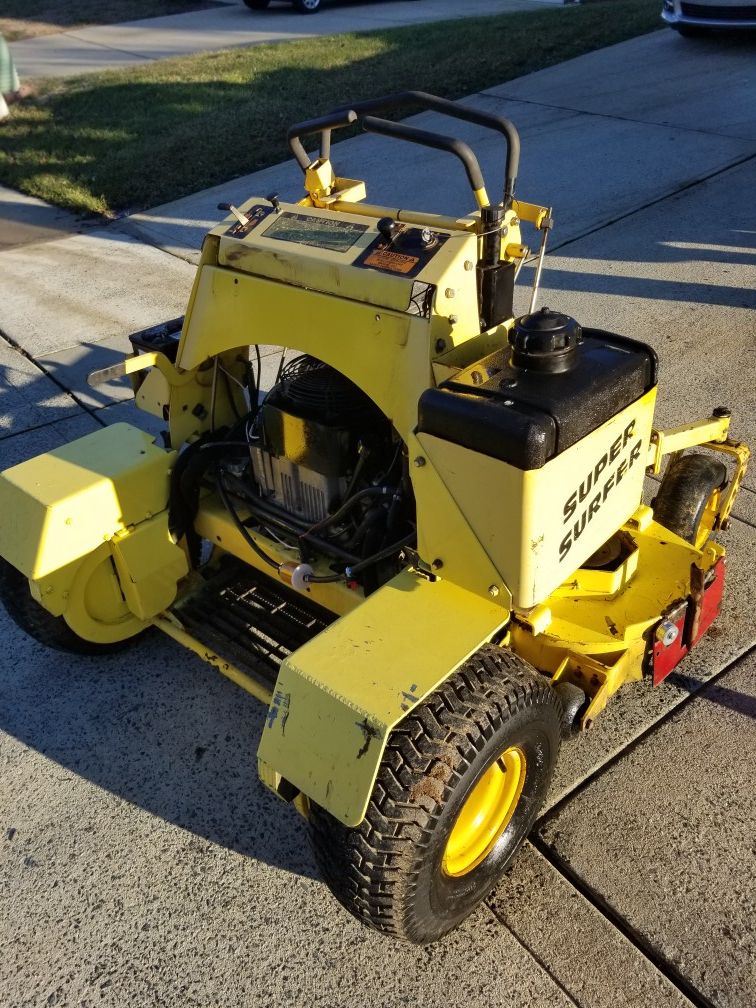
<point>382,491</point>
<point>367,562</point>
<point>240,526</point>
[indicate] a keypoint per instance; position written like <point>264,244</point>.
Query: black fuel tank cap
<point>545,341</point>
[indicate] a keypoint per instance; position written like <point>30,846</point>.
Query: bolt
<point>667,632</point>
<point>469,264</point>
<point>450,292</point>
<point>419,461</point>
<point>453,320</point>
<point>377,318</point>
<point>437,564</point>
<point>515,221</point>
<point>493,591</point>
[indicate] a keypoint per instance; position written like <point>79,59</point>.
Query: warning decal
<point>395,262</point>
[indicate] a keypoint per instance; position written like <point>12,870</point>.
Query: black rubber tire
<point>37,622</point>
<point>300,6</point>
<point>685,490</point>
<point>574,702</point>
<point>387,871</point>
<point>257,4</point>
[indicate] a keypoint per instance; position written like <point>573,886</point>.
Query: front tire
<point>308,6</point>
<point>685,502</point>
<point>458,789</point>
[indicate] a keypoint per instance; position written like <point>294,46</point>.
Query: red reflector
<point>668,657</point>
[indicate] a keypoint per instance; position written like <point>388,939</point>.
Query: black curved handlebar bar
<point>322,125</point>
<point>383,127</point>
<point>456,111</point>
<point>347,116</point>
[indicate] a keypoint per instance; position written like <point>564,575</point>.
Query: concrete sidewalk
<point>146,865</point>
<point>108,47</point>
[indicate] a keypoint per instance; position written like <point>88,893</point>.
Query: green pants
<point>9,82</point>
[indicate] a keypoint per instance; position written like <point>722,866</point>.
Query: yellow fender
<point>339,697</point>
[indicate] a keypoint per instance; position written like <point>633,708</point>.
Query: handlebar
<point>445,107</point>
<point>323,125</point>
<point>348,116</point>
<point>383,127</point>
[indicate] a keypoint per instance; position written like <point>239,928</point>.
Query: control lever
<point>388,229</point>
<point>230,208</point>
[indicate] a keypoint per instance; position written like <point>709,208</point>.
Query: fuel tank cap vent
<point>545,341</point>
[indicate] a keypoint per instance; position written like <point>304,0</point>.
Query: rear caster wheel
<point>459,787</point>
<point>685,502</point>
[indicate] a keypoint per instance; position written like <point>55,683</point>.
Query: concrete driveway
<point>141,861</point>
<point>229,23</point>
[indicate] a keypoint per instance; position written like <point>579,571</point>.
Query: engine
<point>325,474</point>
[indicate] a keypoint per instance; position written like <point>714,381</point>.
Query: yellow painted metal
<point>431,220</point>
<point>741,455</point>
<point>385,352</point>
<point>149,565</point>
<point>88,595</point>
<point>481,197</point>
<point>538,526</point>
<point>339,696</point>
<point>531,212</point>
<point>486,813</point>
<point>445,536</point>
<point>171,626</point>
<point>689,435</point>
<point>135,363</point>
<point>86,523</point>
<point>319,178</point>
<point>60,506</point>
<point>599,640</point>
<point>343,189</point>
<point>586,581</point>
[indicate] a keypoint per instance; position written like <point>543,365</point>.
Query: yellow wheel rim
<point>486,813</point>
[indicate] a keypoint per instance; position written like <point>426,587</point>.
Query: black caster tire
<point>459,787</point>
<point>686,489</point>
<point>38,623</point>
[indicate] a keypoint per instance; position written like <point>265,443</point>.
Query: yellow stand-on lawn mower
<point>424,547</point>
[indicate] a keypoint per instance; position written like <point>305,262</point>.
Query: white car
<point>691,17</point>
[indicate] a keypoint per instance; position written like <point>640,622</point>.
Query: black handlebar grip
<point>437,141</point>
<point>322,125</point>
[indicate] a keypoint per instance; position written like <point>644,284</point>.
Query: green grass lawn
<point>130,139</point>
<point>27,18</point>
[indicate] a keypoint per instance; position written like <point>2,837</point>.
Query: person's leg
<point>9,82</point>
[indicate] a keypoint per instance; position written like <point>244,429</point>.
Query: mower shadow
<point>156,727</point>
